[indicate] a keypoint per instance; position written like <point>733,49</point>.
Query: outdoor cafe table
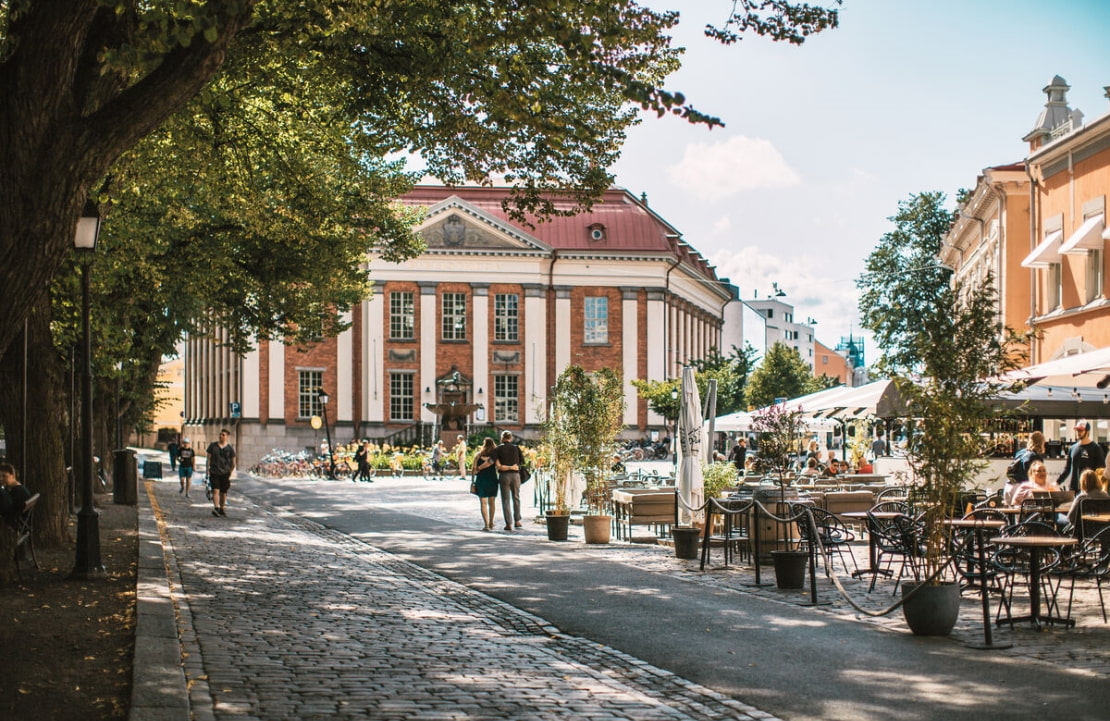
<point>1035,544</point>
<point>1097,517</point>
<point>980,525</point>
<point>872,547</point>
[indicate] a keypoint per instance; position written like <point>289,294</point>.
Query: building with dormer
<point>475,331</point>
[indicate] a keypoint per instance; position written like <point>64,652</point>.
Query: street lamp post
<point>87,564</point>
<point>324,398</point>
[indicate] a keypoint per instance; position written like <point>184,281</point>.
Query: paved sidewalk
<point>281,618</point>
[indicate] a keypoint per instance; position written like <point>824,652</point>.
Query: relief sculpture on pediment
<point>455,231</point>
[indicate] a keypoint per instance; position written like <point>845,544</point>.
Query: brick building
<point>475,331</point>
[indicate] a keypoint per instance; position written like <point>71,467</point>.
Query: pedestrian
<point>739,454</point>
<point>878,447</point>
<point>437,458</point>
<point>362,458</point>
<point>508,459</point>
<point>460,454</point>
<point>221,464</point>
<point>13,494</point>
<point>186,461</point>
<point>485,481</point>
<point>1083,454</point>
<point>173,449</point>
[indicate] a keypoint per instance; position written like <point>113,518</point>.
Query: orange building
<point>1069,166</point>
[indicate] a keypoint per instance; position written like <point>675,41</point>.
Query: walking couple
<point>498,467</point>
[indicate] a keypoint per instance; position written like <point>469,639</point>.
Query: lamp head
<point>88,228</point>
<point>323,396</point>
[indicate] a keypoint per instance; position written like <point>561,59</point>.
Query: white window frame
<point>506,317</point>
<point>595,320</point>
<point>402,315</point>
<point>506,398</point>
<point>453,307</point>
<point>309,383</point>
<point>401,402</point>
<point>1095,274</point>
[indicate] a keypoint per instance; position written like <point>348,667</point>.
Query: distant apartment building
<point>779,325</point>
<point>827,362</point>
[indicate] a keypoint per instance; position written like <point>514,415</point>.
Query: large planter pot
<point>790,568</point>
<point>932,610</point>
<point>686,541</point>
<point>557,526</point>
<point>597,528</point>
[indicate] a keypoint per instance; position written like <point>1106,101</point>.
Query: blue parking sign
<point>234,409</point>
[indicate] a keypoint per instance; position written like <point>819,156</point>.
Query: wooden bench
<point>645,507</point>
<point>24,534</point>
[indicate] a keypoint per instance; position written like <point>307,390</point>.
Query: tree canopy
<point>534,92</point>
<point>781,374</point>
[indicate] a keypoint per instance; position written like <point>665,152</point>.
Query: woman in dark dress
<point>485,478</point>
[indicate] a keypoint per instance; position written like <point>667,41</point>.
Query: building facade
<point>1069,171</point>
<point>474,332</point>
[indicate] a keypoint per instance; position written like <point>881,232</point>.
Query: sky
<point>823,141</point>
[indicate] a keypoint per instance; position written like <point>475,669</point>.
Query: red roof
<point>628,225</point>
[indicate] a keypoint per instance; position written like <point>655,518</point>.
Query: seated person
<point>13,494</point>
<point>833,469</point>
<point>1089,487</point>
<point>811,469</point>
<point>1038,481</point>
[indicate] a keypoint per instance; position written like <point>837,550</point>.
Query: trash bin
<point>125,471</point>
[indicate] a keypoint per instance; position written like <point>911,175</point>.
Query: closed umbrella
<point>691,440</point>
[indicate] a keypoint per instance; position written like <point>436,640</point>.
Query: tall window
<point>506,325</point>
<point>506,404</point>
<point>400,396</point>
<point>402,315</point>
<point>596,319</point>
<point>1055,288</point>
<point>454,316</point>
<point>309,384</point>
<point>1094,274</point>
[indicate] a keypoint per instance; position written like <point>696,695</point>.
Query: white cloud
<point>716,171</point>
<point>831,301</point>
<point>723,226</point>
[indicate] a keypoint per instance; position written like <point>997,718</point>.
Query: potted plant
<point>942,343</point>
<point>779,430</point>
<point>581,430</point>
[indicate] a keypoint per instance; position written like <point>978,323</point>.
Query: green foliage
<point>942,344</point>
<point>781,374</point>
<point>581,429</point>
<point>663,397</point>
<point>903,281</point>
<point>718,477</point>
<point>731,374</point>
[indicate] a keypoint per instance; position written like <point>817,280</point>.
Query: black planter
<point>685,541</point>
<point>932,610</point>
<point>790,568</point>
<point>557,526</point>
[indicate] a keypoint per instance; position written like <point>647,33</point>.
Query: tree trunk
<point>43,470</point>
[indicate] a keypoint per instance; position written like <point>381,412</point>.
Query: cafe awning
<point>1046,253</point>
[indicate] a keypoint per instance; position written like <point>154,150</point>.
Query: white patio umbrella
<point>1082,370</point>
<point>733,422</point>
<point>691,445</point>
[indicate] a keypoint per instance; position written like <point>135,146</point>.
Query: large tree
<point>781,374</point>
<point>478,87</point>
<point>255,181</point>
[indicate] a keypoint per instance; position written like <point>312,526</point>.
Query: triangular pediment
<point>455,225</point>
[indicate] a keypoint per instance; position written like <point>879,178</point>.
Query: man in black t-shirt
<point>221,464</point>
<point>1083,454</point>
<point>509,459</point>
